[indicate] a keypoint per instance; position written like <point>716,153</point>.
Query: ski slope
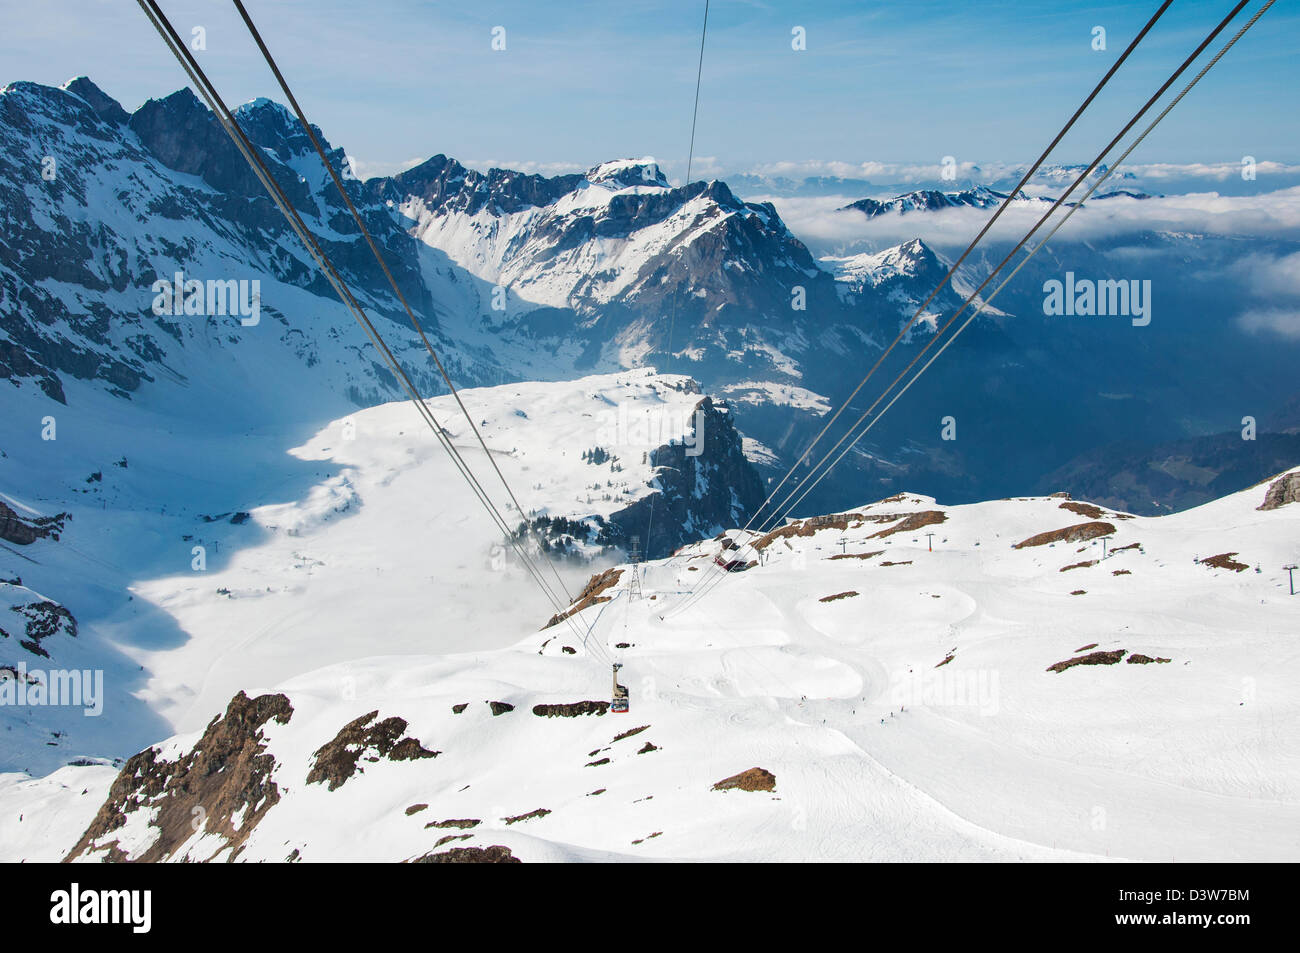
<point>913,719</point>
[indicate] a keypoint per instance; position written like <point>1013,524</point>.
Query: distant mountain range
<point>520,276</point>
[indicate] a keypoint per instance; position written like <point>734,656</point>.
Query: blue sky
<point>990,81</point>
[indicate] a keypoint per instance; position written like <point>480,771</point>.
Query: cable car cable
<point>1024,179</point>
<point>708,584</point>
<point>178,48</point>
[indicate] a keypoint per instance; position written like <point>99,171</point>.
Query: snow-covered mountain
<point>903,277</point>
<point>1024,679</point>
<point>932,200</point>
<point>979,197</point>
<point>524,277</point>
<point>632,259</point>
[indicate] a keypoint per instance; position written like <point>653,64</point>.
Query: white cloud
<point>1274,280</point>
<point>1284,322</point>
<point>816,221</point>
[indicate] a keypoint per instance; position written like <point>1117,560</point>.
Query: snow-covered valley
<point>901,702</point>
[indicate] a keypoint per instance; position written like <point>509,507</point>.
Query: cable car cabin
<point>619,703</point>
<point>727,557</point>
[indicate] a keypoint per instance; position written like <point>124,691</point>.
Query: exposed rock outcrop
<point>1079,532</point>
<point>1285,489</point>
<point>336,761</point>
<point>571,709</point>
<point>755,779</point>
<point>25,531</point>
<point>496,854</point>
<point>222,787</point>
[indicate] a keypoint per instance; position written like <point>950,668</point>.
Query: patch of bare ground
<point>1121,572</point>
<point>415,809</point>
<point>596,792</point>
<point>1084,509</point>
<point>1137,658</point>
<point>857,555</point>
<point>648,747</point>
<point>1093,658</point>
<point>1079,592</point>
<point>901,562</point>
<point>1082,565</point>
<point>589,596</point>
<point>500,708</point>
<point>336,761</point>
<point>911,522</point>
<point>642,840</point>
<point>1224,561</point>
<point>224,776</point>
<point>692,568</point>
<point>449,838</point>
<point>540,812</point>
<point>629,733</point>
<point>496,854</point>
<point>571,709</point>
<point>948,658</point>
<point>1084,648</point>
<point>457,709</point>
<point>1120,549</point>
<point>596,764</point>
<point>1068,534</point>
<point>461,823</point>
<point>848,593</point>
<point>1285,489</point>
<point>755,779</point>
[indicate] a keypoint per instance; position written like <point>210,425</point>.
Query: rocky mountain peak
<point>104,105</point>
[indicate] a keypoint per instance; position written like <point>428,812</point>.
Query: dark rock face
<point>702,495</point>
<point>1285,489</point>
<point>44,619</point>
<point>1093,658</point>
<point>223,781</point>
<point>571,709</point>
<point>106,107</point>
<point>496,854</point>
<point>185,136</point>
<point>336,761</point>
<point>16,529</point>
